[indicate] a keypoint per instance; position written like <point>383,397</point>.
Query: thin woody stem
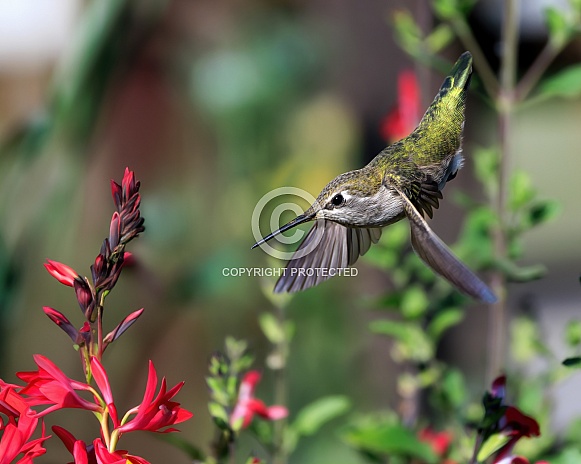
<point>505,105</point>
<point>536,71</point>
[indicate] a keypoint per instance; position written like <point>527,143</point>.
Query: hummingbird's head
<point>347,200</point>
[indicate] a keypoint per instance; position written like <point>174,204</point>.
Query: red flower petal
<point>64,274</point>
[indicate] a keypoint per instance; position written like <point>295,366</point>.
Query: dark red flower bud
<point>116,192</point>
<point>128,184</point>
<point>122,327</point>
<point>84,295</point>
<point>59,319</point>
<point>114,230</point>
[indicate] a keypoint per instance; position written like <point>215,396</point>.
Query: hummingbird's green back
<point>439,133</point>
<point>433,144</point>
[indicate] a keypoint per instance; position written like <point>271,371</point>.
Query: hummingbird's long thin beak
<point>302,218</point>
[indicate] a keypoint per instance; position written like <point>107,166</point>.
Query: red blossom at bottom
<point>154,414</point>
<point>95,453</point>
<point>439,441</point>
<point>247,405</point>
<point>20,424</point>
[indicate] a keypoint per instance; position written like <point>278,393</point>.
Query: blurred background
<point>213,104</point>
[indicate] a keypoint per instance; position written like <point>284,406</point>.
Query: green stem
<point>505,104</point>
<point>99,332</point>
<point>280,455</point>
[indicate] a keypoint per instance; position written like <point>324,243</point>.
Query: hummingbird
<point>404,180</point>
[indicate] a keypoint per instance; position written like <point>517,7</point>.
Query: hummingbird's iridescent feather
<point>404,179</point>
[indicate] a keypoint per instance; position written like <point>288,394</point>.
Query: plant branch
<point>505,105</point>
<point>280,389</point>
<point>536,71</point>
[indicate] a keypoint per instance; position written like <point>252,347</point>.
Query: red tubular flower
<point>403,119</point>
<point>439,441</point>
<point>18,429</point>
<point>247,405</point>
<point>154,414</point>
<point>95,453</point>
<point>519,424</point>
<point>505,426</point>
<point>49,385</point>
<point>64,274</point>
<point>104,456</point>
<point>102,381</point>
<point>15,440</point>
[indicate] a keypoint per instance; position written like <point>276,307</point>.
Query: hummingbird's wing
<point>338,247</point>
<point>440,258</point>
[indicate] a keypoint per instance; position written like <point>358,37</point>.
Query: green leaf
<point>313,416</point>
<point>573,430</point>
<point>414,302</point>
<point>573,333</point>
<point>439,38</point>
<point>217,411</point>
<point>565,84</point>
<point>382,257</point>
<point>543,211</point>
<point>219,393</point>
<point>559,27</point>
<point>412,341</point>
<point>572,362</point>
<point>454,387</point>
<point>451,9</point>
<point>486,163</point>
<point>443,320</point>
<point>531,398</point>
<point>407,31</point>
<point>568,455</point>
<point>521,190</point>
<point>525,340</point>
<point>576,5</point>
<point>235,349</point>
<point>271,328</point>
<point>491,445</point>
<point>475,242</point>
<point>389,439</point>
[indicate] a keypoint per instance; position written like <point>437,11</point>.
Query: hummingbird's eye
<point>337,200</point>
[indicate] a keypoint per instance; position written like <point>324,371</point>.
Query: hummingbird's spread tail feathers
<point>440,258</point>
<point>338,248</point>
